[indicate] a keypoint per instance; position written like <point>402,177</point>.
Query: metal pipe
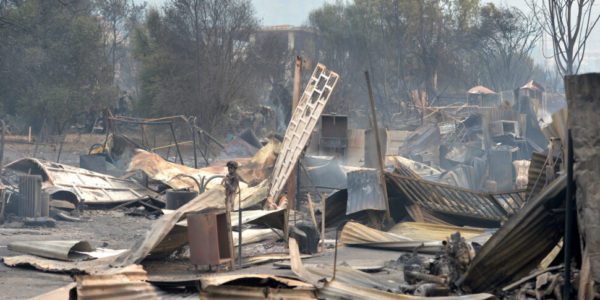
<point>176,144</point>
<point>569,217</point>
<point>210,179</point>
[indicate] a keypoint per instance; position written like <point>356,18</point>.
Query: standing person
<point>231,182</point>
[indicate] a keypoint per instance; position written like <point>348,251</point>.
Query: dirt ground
<point>74,145</point>
<point>116,230</point>
<point>108,229</point>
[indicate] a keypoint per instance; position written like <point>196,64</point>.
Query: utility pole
<point>375,128</point>
<point>292,183</point>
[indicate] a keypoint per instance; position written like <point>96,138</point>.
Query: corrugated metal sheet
<point>127,283</point>
<point>365,191</point>
<point>404,236</point>
<point>521,244</point>
<point>457,201</point>
<point>83,185</point>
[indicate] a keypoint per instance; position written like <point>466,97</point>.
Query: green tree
<point>53,69</point>
<point>194,57</point>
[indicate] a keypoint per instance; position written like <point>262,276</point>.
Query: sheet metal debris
<point>352,284</point>
<point>365,191</point>
<point>305,118</point>
<point>70,183</point>
<point>521,244</point>
<point>62,250</point>
<point>424,237</point>
<point>127,283</point>
<point>456,201</point>
<point>58,266</point>
<point>174,175</point>
<point>161,228</point>
<point>261,164</point>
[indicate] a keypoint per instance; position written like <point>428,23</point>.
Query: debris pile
<point>469,204</point>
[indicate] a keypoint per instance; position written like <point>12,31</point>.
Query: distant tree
<point>194,56</point>
<point>52,66</point>
<point>407,45</point>
<point>569,23</point>
<point>118,18</point>
<point>506,37</point>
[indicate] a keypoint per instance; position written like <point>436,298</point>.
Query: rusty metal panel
<point>207,236</point>
<point>203,239</point>
<point>364,191</point>
<point>83,185</point>
<point>127,283</point>
<point>305,118</point>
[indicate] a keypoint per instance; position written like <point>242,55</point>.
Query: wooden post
<point>292,183</point>
<point>2,147</point>
<point>323,210</point>
<point>375,128</point>
<point>311,209</point>
<point>29,136</point>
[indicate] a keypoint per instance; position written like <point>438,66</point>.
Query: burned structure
<point>476,200</point>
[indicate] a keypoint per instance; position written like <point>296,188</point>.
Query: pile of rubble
<point>469,205</point>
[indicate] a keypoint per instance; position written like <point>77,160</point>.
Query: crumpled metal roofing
<point>521,244</point>
<point>404,236</point>
<point>457,201</point>
<point>81,184</point>
<point>174,175</point>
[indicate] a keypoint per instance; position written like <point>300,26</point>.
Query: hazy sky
<point>295,12</point>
